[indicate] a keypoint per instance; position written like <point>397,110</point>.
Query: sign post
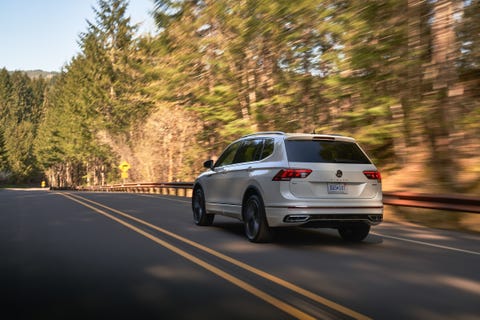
<point>124,166</point>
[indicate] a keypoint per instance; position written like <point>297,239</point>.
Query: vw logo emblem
<point>339,173</point>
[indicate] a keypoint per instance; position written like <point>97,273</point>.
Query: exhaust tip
<point>375,218</point>
<point>296,218</point>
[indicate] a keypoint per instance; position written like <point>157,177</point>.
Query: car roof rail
<point>265,133</point>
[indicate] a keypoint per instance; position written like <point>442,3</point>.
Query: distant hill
<point>38,73</point>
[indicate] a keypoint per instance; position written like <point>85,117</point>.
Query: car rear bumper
<point>330,216</point>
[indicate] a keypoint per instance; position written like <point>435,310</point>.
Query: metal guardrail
<point>433,201</point>
<point>182,189</point>
<point>406,199</point>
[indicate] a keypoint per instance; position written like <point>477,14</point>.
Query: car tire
<point>256,226</point>
<point>354,232</point>
<point>200,216</point>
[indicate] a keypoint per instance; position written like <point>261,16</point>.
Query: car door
<point>238,174</point>
<point>217,183</point>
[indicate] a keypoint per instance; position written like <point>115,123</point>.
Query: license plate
<point>337,188</point>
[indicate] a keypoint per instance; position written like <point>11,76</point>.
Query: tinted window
<point>228,155</point>
<point>324,151</point>
<point>267,148</point>
<point>249,151</point>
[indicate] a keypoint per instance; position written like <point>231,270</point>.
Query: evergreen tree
<point>108,48</point>
<point>98,95</point>
<point>21,101</point>
<point>3,155</point>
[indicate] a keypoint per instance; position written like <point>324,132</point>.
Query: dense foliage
<point>401,76</point>
<point>21,107</point>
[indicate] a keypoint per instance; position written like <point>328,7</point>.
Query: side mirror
<point>208,164</point>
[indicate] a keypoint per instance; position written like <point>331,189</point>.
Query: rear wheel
<point>256,226</point>
<point>200,215</point>
<point>354,232</point>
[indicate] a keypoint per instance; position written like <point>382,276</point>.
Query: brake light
<point>289,174</point>
<point>373,175</point>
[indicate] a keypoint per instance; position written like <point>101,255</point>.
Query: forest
<point>400,76</point>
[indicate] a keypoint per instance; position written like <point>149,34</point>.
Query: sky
<point>43,34</point>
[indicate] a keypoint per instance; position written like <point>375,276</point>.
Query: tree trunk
<point>443,76</point>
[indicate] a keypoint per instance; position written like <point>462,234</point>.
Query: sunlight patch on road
<point>243,247</point>
<point>460,283</point>
<point>168,273</point>
<point>428,236</point>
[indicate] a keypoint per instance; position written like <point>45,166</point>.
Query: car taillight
<point>373,175</point>
<point>288,174</point>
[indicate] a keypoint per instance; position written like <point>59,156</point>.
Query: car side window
<point>228,155</point>
<point>249,151</point>
<point>267,148</point>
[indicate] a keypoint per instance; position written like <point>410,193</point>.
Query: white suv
<point>274,179</point>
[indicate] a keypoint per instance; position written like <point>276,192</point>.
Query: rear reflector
<point>288,174</point>
<point>373,175</point>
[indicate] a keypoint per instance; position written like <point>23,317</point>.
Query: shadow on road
<point>300,236</point>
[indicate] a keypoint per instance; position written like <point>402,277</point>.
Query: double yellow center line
<point>287,308</point>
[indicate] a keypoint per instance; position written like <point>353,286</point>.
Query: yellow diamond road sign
<point>124,166</point>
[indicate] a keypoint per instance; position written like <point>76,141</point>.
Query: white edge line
<point>427,244</point>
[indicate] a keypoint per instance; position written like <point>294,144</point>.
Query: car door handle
<point>221,170</point>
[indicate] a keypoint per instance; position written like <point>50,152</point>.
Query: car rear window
<point>325,151</point>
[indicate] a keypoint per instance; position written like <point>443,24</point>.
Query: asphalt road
<point>130,256</point>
